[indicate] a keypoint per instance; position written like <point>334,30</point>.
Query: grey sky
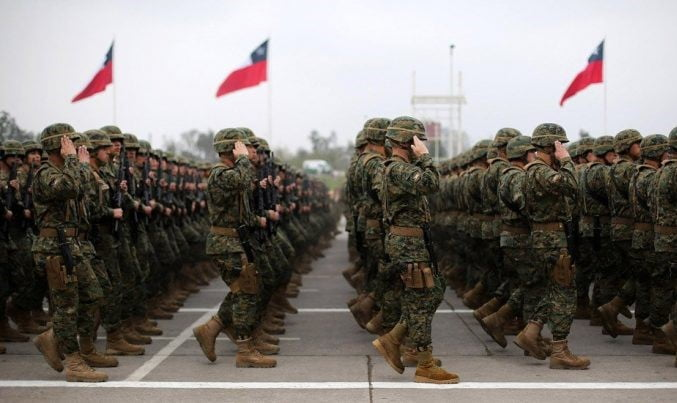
<point>334,63</point>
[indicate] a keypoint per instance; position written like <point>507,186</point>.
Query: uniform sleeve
<point>237,178</point>
<point>421,178</point>
<point>61,186</point>
<point>558,182</point>
<point>595,182</point>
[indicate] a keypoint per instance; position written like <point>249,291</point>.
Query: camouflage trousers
<point>531,280</point>
<point>585,267</point>
<point>109,310</point>
<point>513,258</point>
<point>662,287</point>
<point>268,277</point>
<point>637,288</point>
<point>418,309</point>
<point>27,291</point>
<point>75,305</point>
<point>558,304</point>
<point>609,274</point>
<point>110,280</point>
<point>238,308</point>
<point>131,275</point>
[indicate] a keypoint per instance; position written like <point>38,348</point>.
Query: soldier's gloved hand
<point>148,210</point>
<point>262,222</point>
<point>67,146</point>
<point>168,212</point>
<point>560,151</point>
<point>123,186</point>
<point>240,150</point>
<point>27,214</point>
<point>15,184</point>
<point>419,147</point>
<point>203,204</point>
<point>83,155</point>
<point>117,213</point>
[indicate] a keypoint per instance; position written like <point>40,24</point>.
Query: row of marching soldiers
<point>612,221</point>
<point>110,232</point>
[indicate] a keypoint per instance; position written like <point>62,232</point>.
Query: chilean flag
<point>101,79</point>
<point>592,74</point>
<point>253,73</point>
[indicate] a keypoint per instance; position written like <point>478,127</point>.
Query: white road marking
<point>167,350</point>
<point>341,385</point>
<point>222,338</point>
<point>321,310</point>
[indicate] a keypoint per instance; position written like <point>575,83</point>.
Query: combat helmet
<point>654,146</point>
<point>13,148</point>
<point>518,146</point>
<point>603,145</point>
<point>360,139</point>
<point>50,138</point>
<point>81,139</point>
<point>585,145</point>
<point>480,149</point>
<point>504,135</point>
<point>131,142</point>
<point>626,138</point>
<point>98,138</point>
<point>144,147</point>
<point>224,140</point>
<point>114,133</point>
<point>673,138</point>
<point>375,130</point>
<point>31,145</point>
<point>573,149</point>
<point>546,134</point>
<point>403,129</point>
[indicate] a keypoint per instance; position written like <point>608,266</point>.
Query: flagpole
<point>605,83</point>
<point>270,96</point>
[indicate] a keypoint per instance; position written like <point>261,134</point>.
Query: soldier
<point>655,148</point>
<point>356,276</point>
<point>228,201</point>
<point>546,204</point>
<point>515,241</point>
<point>626,145</point>
<point>57,189</point>
<point>409,177</point>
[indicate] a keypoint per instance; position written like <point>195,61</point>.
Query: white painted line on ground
<point>221,338</point>
<point>342,385</point>
<point>308,290</point>
<point>167,350</point>
<point>322,310</point>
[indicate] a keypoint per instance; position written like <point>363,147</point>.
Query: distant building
<point>316,167</point>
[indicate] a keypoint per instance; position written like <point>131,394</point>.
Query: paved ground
<point>326,356</point>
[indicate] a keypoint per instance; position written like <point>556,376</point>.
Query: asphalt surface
<point>325,355</point>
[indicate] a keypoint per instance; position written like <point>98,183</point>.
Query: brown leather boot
<point>206,336</point>
<point>546,345</point>
<point>23,319</point>
<point>609,315</point>
<point>661,344</point>
<point>582,308</point>
<point>494,324</point>
<point>375,325</point>
<point>621,329</point>
<point>229,331</point>
<point>595,318</point>
<point>9,334</point>
<point>3,350</point>
<point>487,309</point>
<point>562,358</point>
<point>363,310</point>
<point>473,298</point>
<point>513,327</point>
<point>642,335</point>
<point>47,345</point>
<point>410,357</point>
<point>671,334</point>
<point>428,372</point>
<point>262,346</point>
<point>349,273</point>
<point>131,335</point>
<point>157,313</point>
<point>92,357</point>
<point>144,328</point>
<point>283,303</point>
<point>117,345</point>
<point>77,370</point>
<point>248,357</point>
<point>388,346</point>
<point>528,339</point>
<point>272,328</point>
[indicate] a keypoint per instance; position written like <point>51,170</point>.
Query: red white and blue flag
<point>253,73</point>
<point>101,79</point>
<point>592,74</point>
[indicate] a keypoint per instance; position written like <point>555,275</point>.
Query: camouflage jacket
<point>490,206</point>
<point>512,207</point>
<point>370,170</point>
<point>546,192</point>
<point>665,207</point>
<point>354,192</point>
<point>472,196</point>
<point>618,184</point>
<point>403,193</point>
<point>593,194</point>
<point>640,196</point>
<point>57,195</point>
<point>228,190</point>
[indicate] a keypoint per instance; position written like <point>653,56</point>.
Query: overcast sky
<point>334,63</point>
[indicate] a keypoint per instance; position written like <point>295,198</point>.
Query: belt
<point>665,230</point>
<point>515,230</point>
<point>644,226</point>
<point>414,232</point>
<point>372,223</point>
<point>547,226</point>
<point>603,219</point>
<point>231,232</point>
<point>622,220</point>
<point>52,233</point>
<point>483,217</point>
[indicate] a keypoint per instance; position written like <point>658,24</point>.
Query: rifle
<point>243,234</point>
<point>8,197</point>
<point>259,205</point>
<point>65,251</point>
<point>145,191</point>
<point>571,232</point>
<point>27,198</point>
<point>428,239</point>
<point>117,192</point>
<point>131,187</point>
